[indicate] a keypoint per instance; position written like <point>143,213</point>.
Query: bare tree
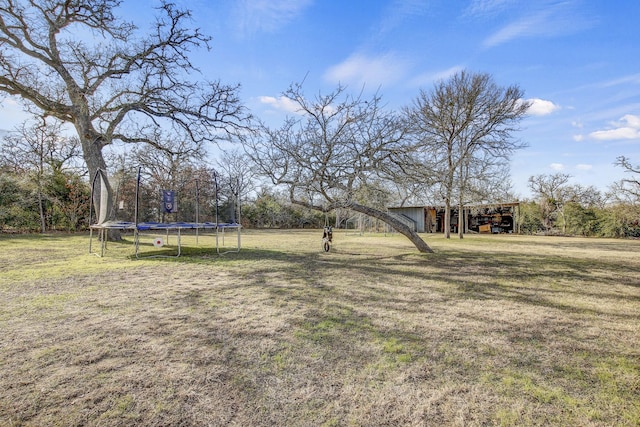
<point>166,166</point>
<point>629,186</point>
<point>39,149</point>
<point>461,125</point>
<point>552,192</point>
<point>332,149</point>
<point>235,178</point>
<point>74,60</point>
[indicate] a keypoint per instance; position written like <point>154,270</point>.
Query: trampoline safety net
<point>162,216</point>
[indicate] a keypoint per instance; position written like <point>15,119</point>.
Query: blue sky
<point>577,60</point>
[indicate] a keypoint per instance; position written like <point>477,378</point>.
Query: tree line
<point>564,208</point>
<point>44,187</point>
<point>130,96</point>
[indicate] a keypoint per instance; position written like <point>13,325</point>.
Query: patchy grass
<point>489,330</point>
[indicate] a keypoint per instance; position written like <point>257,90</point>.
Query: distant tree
<point>39,150</point>
<point>620,220</point>
<point>530,218</point>
<point>11,196</point>
<point>622,217</point>
<point>335,146</point>
<point>267,210</point>
<point>462,127</point>
<point>236,180</point>
<point>272,209</point>
<point>578,213</point>
<point>551,192</point>
<point>580,219</point>
<point>69,195</point>
<point>167,167</point>
<point>564,204</point>
<point>76,61</point>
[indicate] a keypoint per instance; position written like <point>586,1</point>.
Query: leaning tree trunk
<point>396,224</point>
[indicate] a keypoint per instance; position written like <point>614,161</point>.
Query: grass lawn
<point>490,330</point>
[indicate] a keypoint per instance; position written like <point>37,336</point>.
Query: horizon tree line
<point>56,193</point>
<point>129,89</point>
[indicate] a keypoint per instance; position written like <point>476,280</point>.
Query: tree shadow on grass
<point>316,335</point>
<point>536,279</point>
<point>468,271</point>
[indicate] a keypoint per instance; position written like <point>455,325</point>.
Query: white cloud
<point>486,7</point>
<point>526,27</point>
<point>430,78</point>
<point>281,103</point>
<point>254,16</point>
<point>578,138</point>
<point>398,11</point>
<point>631,120</point>
<point>370,71</point>
<point>625,80</point>
<point>613,134</point>
<point>556,166</point>
<point>584,167</point>
<point>541,107</point>
<point>628,127</point>
<point>549,21</point>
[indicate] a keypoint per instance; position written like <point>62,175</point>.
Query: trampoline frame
<point>102,226</point>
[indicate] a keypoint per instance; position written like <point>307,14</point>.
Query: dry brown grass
<point>490,330</point>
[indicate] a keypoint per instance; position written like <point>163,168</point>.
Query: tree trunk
<point>92,152</point>
<point>460,220</point>
<point>397,225</point>
<point>447,218</point>
<point>43,225</point>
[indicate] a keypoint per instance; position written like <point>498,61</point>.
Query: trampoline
<point>141,229</point>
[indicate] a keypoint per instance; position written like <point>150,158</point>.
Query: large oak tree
<point>77,61</point>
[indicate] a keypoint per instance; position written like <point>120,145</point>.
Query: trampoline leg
<point>136,240</point>
<point>103,241</point>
